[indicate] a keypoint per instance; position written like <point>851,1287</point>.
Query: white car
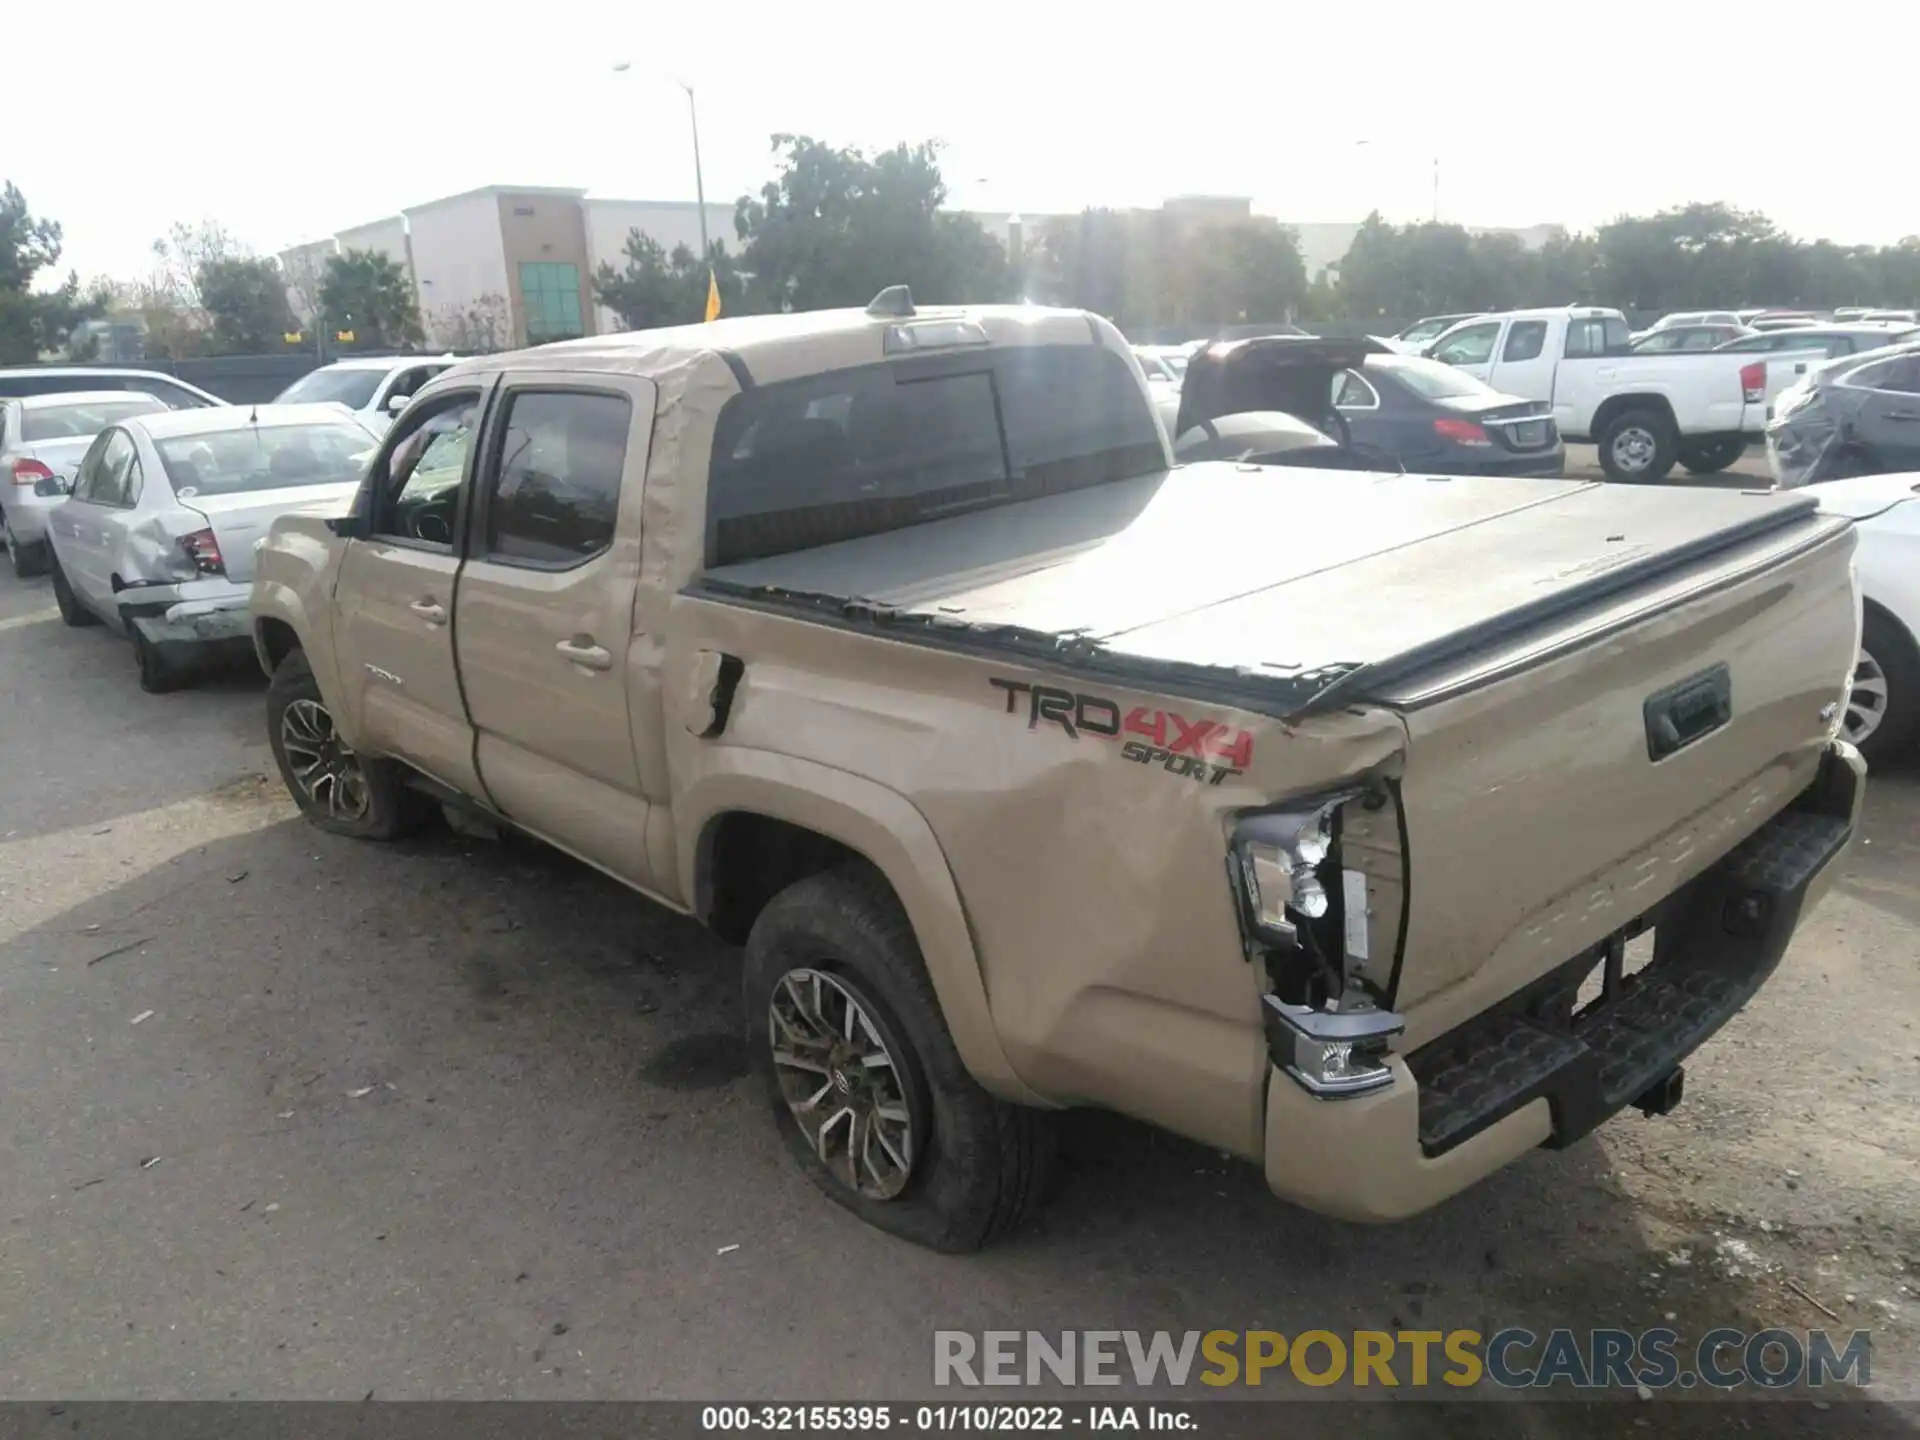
<point>157,535</point>
<point>375,387</point>
<point>42,438</point>
<point>1883,710</point>
<point>1162,364</point>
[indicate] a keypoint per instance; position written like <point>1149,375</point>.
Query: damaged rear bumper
<point>193,619</point>
<point>1533,1072</point>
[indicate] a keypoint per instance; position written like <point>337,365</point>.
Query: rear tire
<point>975,1165</point>
<point>1637,447</point>
<point>71,610</point>
<point>336,789</point>
<point>1712,457</point>
<point>158,675</point>
<point>1883,708</point>
<point>27,560</point>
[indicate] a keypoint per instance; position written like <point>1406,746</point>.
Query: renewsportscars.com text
<point>1514,1358</point>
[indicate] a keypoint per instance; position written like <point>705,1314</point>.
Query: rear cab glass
<point>1591,336</point>
<point>854,452</point>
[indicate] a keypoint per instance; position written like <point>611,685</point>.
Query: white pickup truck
<point>1643,412</point>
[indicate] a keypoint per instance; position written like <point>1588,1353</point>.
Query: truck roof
<point>761,349</point>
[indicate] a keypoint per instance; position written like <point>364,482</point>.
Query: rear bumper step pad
<point>1712,953</point>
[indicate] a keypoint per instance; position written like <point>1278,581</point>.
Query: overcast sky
<point>286,122</point>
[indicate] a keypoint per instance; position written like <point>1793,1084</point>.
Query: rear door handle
<point>582,651</point>
<point>430,611</point>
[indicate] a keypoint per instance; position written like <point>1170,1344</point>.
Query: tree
<point>365,292</point>
<point>245,301</point>
<point>835,227</point>
<point>483,323</point>
<point>32,321</point>
<point>657,288</point>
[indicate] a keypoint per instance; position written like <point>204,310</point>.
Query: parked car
<point>1161,364</point>
<point>1883,706</point>
<point>1781,322</point>
<point>1434,419</point>
<point>1857,416</point>
<point>1277,808</point>
<point>374,387</point>
<point>1687,337</point>
<point>1266,404</point>
<point>157,532</point>
<point>1690,318</point>
<point>1643,413</point>
<point>42,438</point>
<point>1842,314</point>
<point>1425,331</point>
<point>1829,341</point>
<point>1892,317</point>
<point>174,393</point>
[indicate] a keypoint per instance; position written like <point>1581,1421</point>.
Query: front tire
<point>336,789</point>
<point>1637,447</point>
<point>1712,457</point>
<point>1883,708</point>
<point>896,1130</point>
<point>71,610</point>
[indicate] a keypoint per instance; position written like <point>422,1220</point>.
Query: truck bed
<point>1282,591</point>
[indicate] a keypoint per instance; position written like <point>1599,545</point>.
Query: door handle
<point>582,651</point>
<point>430,611</point>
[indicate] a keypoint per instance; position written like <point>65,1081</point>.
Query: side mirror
<point>397,403</point>
<point>349,527</point>
<point>47,489</point>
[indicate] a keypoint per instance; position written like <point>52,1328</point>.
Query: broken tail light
<point>1307,914</point>
<point>202,549</point>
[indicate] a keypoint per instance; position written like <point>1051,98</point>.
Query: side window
<point>1698,340</point>
<point>1350,392</point>
<point>415,483</point>
<point>1748,345</point>
<point>1471,346</point>
<point>87,474</point>
<point>1658,342</point>
<point>1900,375</point>
<point>114,472</point>
<point>1525,340</point>
<point>135,479</point>
<point>555,490</point>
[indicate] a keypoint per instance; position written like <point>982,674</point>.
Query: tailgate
<point>1556,787</point>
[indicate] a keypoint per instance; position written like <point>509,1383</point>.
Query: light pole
<point>699,188</point>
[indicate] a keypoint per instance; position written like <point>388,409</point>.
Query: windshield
<point>1429,378</point>
<point>83,419</point>
<point>264,457</point>
<point>1426,329</point>
<point>352,388</point>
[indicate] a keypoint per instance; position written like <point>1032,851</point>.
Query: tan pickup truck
<point>1287,809</point>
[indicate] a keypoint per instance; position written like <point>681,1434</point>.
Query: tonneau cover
<point>1288,585</point>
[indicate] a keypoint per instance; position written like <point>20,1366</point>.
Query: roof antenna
<point>892,303</point>
<point>253,415</point>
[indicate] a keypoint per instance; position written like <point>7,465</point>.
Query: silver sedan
<point>42,438</point>
<point>157,533</point>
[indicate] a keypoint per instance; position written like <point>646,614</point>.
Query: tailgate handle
<point>1683,713</point>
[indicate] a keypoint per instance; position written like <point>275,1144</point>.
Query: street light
<point>1436,180</point>
<point>699,181</point>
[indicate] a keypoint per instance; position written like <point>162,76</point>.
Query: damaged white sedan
<point>157,532</point>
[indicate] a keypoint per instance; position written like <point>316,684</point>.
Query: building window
<point>551,293</point>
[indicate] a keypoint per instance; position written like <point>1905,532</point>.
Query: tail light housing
<point>1461,432</point>
<point>202,550</point>
<point>1753,382</point>
<point>30,472</point>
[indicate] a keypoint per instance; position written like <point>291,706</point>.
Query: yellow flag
<point>713,296</point>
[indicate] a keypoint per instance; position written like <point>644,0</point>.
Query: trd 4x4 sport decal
<point>1204,750</point>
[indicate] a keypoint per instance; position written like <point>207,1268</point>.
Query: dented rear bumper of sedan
<point>193,621</point>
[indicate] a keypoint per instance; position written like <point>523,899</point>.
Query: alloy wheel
<point>842,1082</point>
<point>323,765</point>
<point>1867,700</point>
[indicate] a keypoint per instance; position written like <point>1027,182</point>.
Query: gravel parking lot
<point>294,1116</point>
